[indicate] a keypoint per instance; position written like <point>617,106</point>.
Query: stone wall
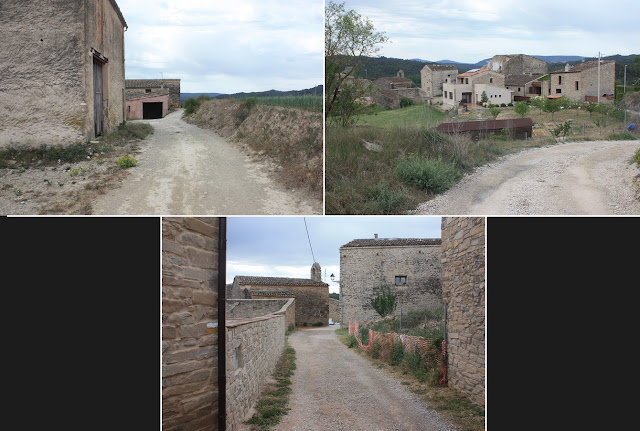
<point>363,270</point>
<point>46,64</point>
<point>463,290</point>
<point>189,302</point>
<point>139,86</point>
<point>431,80</point>
<point>334,309</point>
<point>253,349</point>
<point>518,64</point>
<point>249,308</point>
<point>587,81</point>
<point>312,302</point>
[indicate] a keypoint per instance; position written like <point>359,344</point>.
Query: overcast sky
<point>279,247</point>
<point>468,31</point>
<point>226,46</point>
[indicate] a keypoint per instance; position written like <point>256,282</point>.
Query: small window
<point>129,108</point>
<point>445,94</point>
<point>490,80</point>
<point>558,90</point>
<point>466,80</point>
<point>148,90</point>
<point>401,280</point>
<point>518,88</point>
<point>559,79</point>
<point>451,95</point>
<point>577,86</point>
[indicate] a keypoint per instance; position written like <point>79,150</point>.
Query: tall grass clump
<point>431,175</point>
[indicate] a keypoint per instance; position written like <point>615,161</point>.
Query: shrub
<point>384,303</point>
<point>244,110</point>
<point>190,106</point>
<point>404,102</point>
<point>383,200</point>
<point>397,353</point>
<point>636,156</point>
<point>126,162</point>
<point>364,335</point>
<point>431,175</point>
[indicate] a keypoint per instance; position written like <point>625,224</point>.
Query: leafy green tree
<point>348,39</point>
<point>483,97</point>
<point>551,106</point>
<point>590,107</point>
<point>495,111</point>
<point>521,108</point>
<point>562,129</point>
<point>385,303</point>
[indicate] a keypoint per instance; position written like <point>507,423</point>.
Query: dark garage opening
<point>151,110</point>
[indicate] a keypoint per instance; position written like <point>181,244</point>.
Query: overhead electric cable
<point>305,226</point>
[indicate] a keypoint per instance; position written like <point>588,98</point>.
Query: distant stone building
<point>468,88</point>
<point>432,76</point>
<point>580,82</point>
<point>147,105</point>
<point>409,266</point>
<point>137,87</point>
<point>463,291</point>
<point>62,69</point>
<point>517,64</point>
<point>311,294</point>
<point>389,91</point>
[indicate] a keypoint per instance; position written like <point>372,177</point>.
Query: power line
<point>305,226</point>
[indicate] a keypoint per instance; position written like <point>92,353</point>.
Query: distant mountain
<point>185,96</point>
<point>548,58</point>
<point>318,91</point>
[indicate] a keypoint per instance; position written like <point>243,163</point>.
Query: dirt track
<point>576,178</point>
<point>183,169</point>
<point>335,389</point>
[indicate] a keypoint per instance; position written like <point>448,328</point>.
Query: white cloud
<point>247,45</point>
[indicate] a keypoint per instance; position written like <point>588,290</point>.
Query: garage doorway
<point>151,110</point>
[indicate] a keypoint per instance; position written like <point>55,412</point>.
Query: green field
<point>412,116</point>
<point>307,102</point>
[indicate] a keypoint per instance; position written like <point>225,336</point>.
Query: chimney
<point>375,235</point>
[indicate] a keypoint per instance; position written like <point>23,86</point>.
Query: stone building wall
<point>334,309</point>
<point>139,86</point>
<point>587,80</point>
<point>364,269</point>
<point>253,349</point>
<point>463,290</point>
<point>46,64</point>
<point>432,78</point>
<point>312,302</point>
<point>189,302</point>
<point>518,64</point>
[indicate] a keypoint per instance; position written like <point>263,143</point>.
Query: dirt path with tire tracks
<point>183,169</point>
<point>576,178</point>
<point>335,389</point>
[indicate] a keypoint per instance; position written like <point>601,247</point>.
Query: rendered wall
<point>41,70</point>
<point>46,64</point>
<point>134,108</point>
<point>463,290</point>
<point>189,302</point>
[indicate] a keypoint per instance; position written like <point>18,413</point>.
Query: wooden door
<point>97,97</point>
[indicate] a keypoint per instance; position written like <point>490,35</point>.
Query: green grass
<point>307,102</point>
<point>273,403</point>
<point>26,156</point>
<point>423,115</point>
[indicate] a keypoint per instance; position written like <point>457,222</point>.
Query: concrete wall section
<point>463,289</point>
<point>189,302</point>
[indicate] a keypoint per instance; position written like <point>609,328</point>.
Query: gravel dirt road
<point>183,169</point>
<point>335,389</point>
<point>576,178</point>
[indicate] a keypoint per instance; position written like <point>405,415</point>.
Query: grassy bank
<point>392,160</point>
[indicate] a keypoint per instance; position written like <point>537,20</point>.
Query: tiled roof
<point>391,242</point>
<point>277,281</point>
<point>584,66</point>
<point>441,67</point>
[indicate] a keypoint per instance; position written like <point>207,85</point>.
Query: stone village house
<point>311,294</point>
<point>580,82</point>
<point>432,76</point>
<point>409,266</point>
<point>61,70</point>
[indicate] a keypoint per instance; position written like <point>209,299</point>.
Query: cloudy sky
<point>470,30</point>
<point>226,46</point>
<point>279,246</point>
